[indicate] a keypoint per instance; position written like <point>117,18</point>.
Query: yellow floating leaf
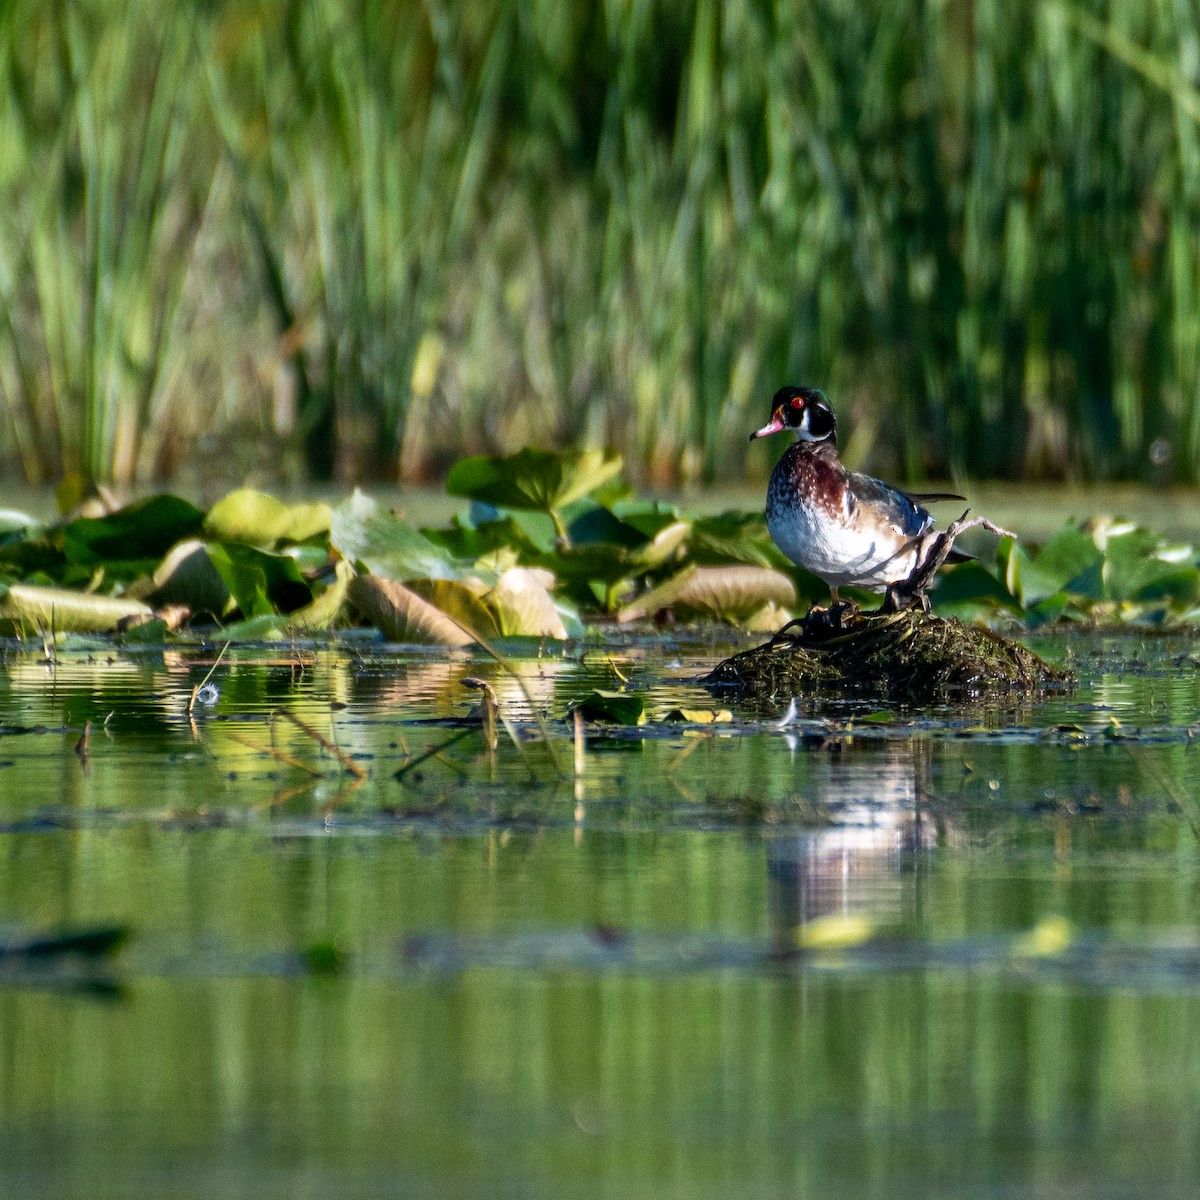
<point>1047,939</point>
<point>835,932</point>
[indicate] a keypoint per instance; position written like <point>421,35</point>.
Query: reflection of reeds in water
<point>425,234</point>
<point>856,865</point>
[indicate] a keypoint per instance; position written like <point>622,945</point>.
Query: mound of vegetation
<point>907,657</point>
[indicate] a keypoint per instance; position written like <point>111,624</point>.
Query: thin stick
<point>81,746</point>
<point>196,690</point>
<point>537,716</point>
<point>347,762</point>
<point>284,795</point>
<point>435,752</point>
<point>278,755</point>
<point>1174,792</point>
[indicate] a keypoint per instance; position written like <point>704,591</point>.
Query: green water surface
<point>487,977</point>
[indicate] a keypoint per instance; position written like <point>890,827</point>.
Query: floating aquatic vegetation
<point>548,543</point>
<point>907,657</point>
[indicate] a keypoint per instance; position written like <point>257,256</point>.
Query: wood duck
<point>848,529</point>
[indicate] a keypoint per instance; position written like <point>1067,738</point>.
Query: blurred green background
<point>325,240</point>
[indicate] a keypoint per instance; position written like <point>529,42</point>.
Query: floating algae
<point>906,657</point>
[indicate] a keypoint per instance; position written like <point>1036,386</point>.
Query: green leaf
<point>971,586</point>
<point>144,530</point>
<point>247,516</point>
<point>616,708</point>
<point>1138,564</point>
<point>735,537</point>
<point>472,542</point>
<point>698,716</point>
<point>327,604</point>
<point>608,563</point>
<point>1070,562</point>
<point>533,479</point>
<point>62,610</point>
<point>261,582</point>
<point>258,519</point>
<point>363,532</point>
<point>308,521</point>
<point>729,593</point>
<point>189,576</point>
<point>269,627</point>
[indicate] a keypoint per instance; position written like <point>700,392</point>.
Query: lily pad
<point>65,611</point>
<point>260,582</point>
<point>1070,562</point>
<point>258,519</point>
<point>146,529</point>
<point>361,531</point>
<point>533,479</point>
<point>615,708</point>
<point>402,615</point>
<point>188,576</point>
<point>729,593</point>
<point>327,605</point>
<point>523,605</point>
<point>1140,565</point>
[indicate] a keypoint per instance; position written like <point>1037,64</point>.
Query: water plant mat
<point>908,657</point>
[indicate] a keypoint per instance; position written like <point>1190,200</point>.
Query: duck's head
<point>804,410</point>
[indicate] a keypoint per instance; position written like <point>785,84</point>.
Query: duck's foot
<point>833,618</point>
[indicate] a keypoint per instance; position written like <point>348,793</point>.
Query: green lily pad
<point>247,516</point>
<point>327,605</point>
<point>471,542</point>
<point>260,582</point>
<point>735,537</point>
<point>258,519</point>
<point>533,479</point>
<point>65,611</point>
<point>969,588</point>
<point>144,530</point>
<point>1140,565</point>
<point>615,708</point>
<point>269,627</point>
<point>1070,562</point>
<point>363,532</point>
<point>188,575</point>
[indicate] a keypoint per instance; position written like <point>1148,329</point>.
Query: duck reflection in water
<point>861,870</point>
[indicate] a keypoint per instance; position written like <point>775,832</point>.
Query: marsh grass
<point>396,233</point>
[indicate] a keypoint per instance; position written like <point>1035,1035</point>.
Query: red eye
<point>797,402</point>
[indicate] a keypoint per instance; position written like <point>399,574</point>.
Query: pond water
<point>862,953</point>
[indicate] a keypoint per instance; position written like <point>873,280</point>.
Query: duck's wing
<point>880,501</point>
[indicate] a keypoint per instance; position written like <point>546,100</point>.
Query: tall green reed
<point>103,199</point>
<point>480,225</point>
